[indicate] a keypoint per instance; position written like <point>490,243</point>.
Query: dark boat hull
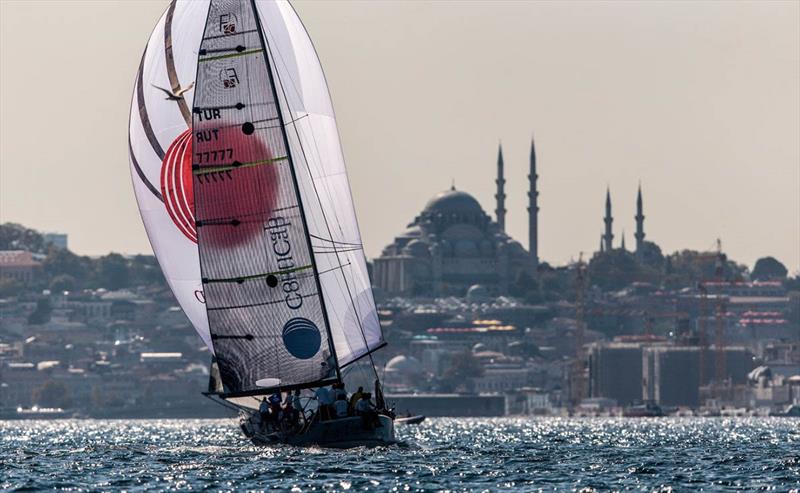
<point>410,420</point>
<point>337,433</point>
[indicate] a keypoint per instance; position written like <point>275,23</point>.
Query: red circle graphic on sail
<point>176,184</point>
<point>232,189</point>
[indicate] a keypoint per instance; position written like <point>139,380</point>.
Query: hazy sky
<point>699,101</point>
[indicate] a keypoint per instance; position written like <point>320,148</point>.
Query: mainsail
<point>241,182</point>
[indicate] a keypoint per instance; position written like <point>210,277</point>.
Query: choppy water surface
<point>441,454</point>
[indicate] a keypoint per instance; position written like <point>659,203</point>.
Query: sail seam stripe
<point>251,305</point>
<point>140,172</point>
<point>219,169</point>
<point>232,55</point>
<point>169,58</point>
<point>230,34</point>
<point>143,116</point>
<point>257,276</point>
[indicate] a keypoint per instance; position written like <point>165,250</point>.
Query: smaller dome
<point>416,248</point>
<point>447,248</point>
<point>513,248</point>
<point>413,231</point>
<point>479,347</point>
<point>402,364</point>
<point>477,292</point>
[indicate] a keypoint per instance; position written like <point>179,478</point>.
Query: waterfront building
<point>615,371</point>
<point>19,265</point>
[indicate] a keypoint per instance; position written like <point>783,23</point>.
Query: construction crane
<point>578,367</point>
<point>719,315</point>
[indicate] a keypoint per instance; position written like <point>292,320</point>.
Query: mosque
<point>453,245</point>
<point>453,248</point>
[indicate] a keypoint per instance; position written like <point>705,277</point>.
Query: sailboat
<point>240,179</point>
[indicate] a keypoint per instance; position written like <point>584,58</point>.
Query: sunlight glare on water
<point>536,454</point>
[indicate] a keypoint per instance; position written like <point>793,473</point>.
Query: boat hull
<point>337,433</point>
<point>410,420</point>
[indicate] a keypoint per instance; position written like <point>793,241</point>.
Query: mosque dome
<point>477,292</point>
<point>453,202</point>
<point>416,248</point>
<point>513,248</point>
<point>404,365</point>
<point>413,231</point>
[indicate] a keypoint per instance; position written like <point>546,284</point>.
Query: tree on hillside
<point>688,267</point>
<point>41,315</point>
<point>63,282</point>
<point>17,237</point>
<point>617,269</point>
<point>60,261</point>
<point>769,268</point>
<point>464,368</point>
<point>53,393</point>
<point>144,270</point>
<point>10,287</point>
<point>112,272</point>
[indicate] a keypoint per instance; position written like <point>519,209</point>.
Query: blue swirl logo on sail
<point>301,338</point>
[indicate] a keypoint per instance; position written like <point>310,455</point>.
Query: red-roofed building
<point>19,265</point>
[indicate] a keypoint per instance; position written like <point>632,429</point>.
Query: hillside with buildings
<point>477,324</point>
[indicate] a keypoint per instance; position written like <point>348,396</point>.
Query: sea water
<point>532,454</point>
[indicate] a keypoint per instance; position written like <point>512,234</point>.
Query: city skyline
<point>699,103</point>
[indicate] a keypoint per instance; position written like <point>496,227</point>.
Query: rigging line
<point>324,216</point>
<point>285,124</point>
<point>328,252</point>
<point>336,241</point>
<point>333,269</point>
<point>170,60</point>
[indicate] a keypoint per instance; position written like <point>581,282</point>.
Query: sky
<point>697,101</point>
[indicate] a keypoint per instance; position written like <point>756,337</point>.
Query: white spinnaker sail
<point>157,127</point>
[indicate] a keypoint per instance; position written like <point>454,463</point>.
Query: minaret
<point>608,237</point>
<point>533,211</point>
<point>639,222</point>
<point>500,211</point>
